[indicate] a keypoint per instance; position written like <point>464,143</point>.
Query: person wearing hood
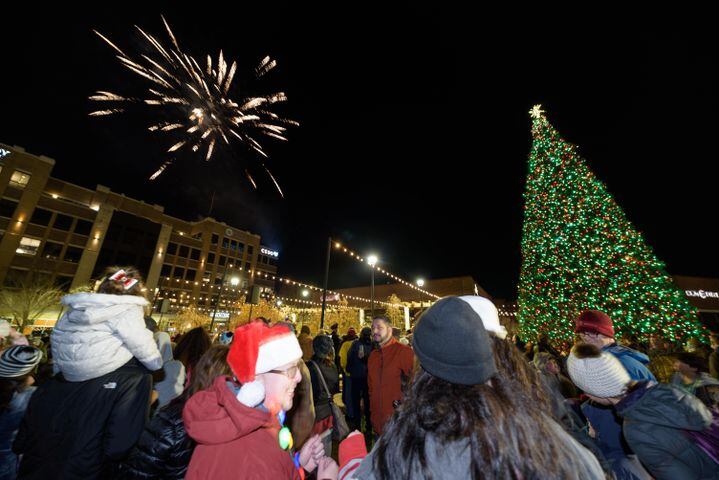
<point>238,423</point>
<point>462,419</point>
<point>661,422</point>
<point>596,328</point>
<point>104,330</point>
<point>172,385</point>
<point>83,421</point>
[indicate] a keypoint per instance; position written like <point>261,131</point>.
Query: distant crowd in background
<point>106,395</point>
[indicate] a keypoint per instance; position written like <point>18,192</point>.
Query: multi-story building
<point>67,235</point>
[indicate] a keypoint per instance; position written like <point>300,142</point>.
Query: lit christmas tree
<point>579,251</point>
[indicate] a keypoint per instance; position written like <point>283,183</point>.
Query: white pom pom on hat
<point>256,349</point>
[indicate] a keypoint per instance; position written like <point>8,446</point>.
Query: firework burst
<point>198,101</point>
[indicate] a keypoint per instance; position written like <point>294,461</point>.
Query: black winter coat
<point>81,430</point>
<point>164,449</point>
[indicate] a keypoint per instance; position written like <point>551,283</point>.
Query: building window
<point>41,217</point>
<point>28,246</point>
<point>15,277</point>
<point>225,243</point>
<point>166,269</point>
<point>249,250</point>
<point>19,179</point>
<point>195,254</point>
<point>206,277</point>
<point>247,266</point>
<point>63,282</point>
<point>184,251</point>
<point>179,272</point>
<point>62,222</point>
<point>73,254</point>
<point>191,274</point>
<point>197,236</point>
<point>52,250</point>
<point>83,227</point>
<point>171,248</point>
<point>218,278</point>
<point>7,207</point>
<point>215,239</point>
<point>233,244</point>
<point>210,258</point>
<point>223,260</point>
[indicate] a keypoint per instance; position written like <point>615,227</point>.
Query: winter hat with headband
<point>19,360</point>
<point>256,349</point>
<point>488,313</point>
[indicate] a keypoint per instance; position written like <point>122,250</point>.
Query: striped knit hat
<point>19,360</point>
<point>597,373</point>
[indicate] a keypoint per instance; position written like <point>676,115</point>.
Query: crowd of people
<point>109,396</point>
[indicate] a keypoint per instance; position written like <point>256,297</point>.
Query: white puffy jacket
<point>100,333</point>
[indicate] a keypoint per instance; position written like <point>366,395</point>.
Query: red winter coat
<point>386,369</point>
<point>233,441</point>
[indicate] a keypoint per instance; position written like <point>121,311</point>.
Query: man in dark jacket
<point>357,358</point>
<point>336,344</point>
<point>80,430</point>
<point>658,420</point>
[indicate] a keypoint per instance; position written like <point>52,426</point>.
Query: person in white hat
<point>662,424</point>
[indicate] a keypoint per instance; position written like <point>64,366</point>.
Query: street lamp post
<point>372,261</point>
<point>234,281</point>
<point>420,284</point>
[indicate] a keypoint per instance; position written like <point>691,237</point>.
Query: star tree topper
<point>536,111</point>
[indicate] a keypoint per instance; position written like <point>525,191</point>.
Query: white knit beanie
<point>597,373</point>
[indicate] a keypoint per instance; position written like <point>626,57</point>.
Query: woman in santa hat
<point>238,423</point>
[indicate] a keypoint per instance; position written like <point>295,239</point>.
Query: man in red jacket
<point>238,422</point>
<point>388,368</point>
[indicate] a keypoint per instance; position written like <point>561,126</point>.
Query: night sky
<point>414,129</point>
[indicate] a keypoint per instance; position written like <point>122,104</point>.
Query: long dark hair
<point>507,437</point>
<point>210,366</point>
<point>192,346</point>
<point>513,366</point>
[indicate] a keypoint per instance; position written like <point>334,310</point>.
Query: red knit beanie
<point>594,321</point>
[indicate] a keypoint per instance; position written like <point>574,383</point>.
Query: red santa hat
<point>257,348</point>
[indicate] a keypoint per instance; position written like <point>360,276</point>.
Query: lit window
<point>28,246</point>
<point>19,179</point>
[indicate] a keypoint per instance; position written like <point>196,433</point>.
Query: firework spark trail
<point>197,100</point>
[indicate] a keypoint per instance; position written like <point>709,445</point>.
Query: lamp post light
<point>372,261</point>
<point>420,284</point>
<point>305,293</point>
<point>233,281</point>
